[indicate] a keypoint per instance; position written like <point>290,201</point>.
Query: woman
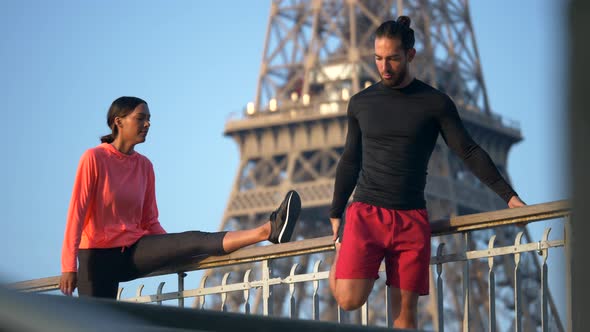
<point>112,225</point>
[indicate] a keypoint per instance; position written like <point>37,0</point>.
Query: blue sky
<point>195,62</point>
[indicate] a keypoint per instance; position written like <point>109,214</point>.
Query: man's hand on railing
<point>68,282</point>
<point>515,202</point>
<point>335,225</point>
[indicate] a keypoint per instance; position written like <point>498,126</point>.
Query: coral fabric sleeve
<point>149,219</point>
<point>113,203</point>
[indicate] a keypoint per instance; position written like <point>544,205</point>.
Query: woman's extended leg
<point>155,251</point>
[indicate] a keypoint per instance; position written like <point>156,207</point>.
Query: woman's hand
<point>68,282</point>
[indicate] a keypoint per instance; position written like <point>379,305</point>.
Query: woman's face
<point>135,126</point>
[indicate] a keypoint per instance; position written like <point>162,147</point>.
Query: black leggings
<point>101,270</point>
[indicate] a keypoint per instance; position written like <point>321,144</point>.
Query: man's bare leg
<point>350,294</point>
<point>404,308</point>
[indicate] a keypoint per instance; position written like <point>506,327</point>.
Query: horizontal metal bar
<point>534,246</point>
<point>204,291</point>
<point>306,277</point>
<point>37,285</point>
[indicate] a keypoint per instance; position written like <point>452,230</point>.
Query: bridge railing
<point>465,226</point>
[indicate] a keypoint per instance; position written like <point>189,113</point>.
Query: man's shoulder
<point>433,94</point>
<point>427,88</point>
<point>369,91</point>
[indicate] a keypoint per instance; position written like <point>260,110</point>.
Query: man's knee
<point>348,301</point>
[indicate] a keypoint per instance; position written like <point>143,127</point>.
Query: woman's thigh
<point>100,270</point>
<point>153,252</point>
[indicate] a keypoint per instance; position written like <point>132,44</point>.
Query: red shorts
<point>402,237</point>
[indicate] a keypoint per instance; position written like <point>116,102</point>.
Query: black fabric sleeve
<point>347,171</point>
<point>474,157</point>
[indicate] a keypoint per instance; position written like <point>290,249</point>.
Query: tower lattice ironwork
<point>316,55</point>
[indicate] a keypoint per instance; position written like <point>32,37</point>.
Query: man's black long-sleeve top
<point>391,136</point>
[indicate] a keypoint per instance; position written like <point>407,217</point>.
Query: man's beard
<point>396,79</point>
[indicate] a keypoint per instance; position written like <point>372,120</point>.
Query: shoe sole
<point>293,209</point>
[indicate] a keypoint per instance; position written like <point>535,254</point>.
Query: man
<point>392,129</point>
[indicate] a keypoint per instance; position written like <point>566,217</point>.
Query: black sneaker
<point>283,219</point>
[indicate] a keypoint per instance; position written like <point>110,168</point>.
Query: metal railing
<point>462,224</point>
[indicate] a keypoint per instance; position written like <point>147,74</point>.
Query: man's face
<point>392,60</point>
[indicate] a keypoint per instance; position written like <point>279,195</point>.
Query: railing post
<point>292,302</point>
<point>316,286</point>
<point>544,284</point>
<point>491,288</point>
<point>365,313</point>
<point>266,292</point>
<point>201,303</point>
<point>181,276</point>
<point>517,287</point>
<point>439,290</point>
<point>119,293</point>
<point>247,292</point>
<point>224,294</point>
<point>568,272</point>
<point>466,279</point>
<point>139,290</point>
<point>159,292</point>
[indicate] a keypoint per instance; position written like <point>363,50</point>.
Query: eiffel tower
<point>316,55</point>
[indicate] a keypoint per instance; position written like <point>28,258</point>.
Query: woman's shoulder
<point>98,151</point>
<point>143,159</point>
<point>93,152</point>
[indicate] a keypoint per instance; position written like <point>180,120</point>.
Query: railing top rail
<point>523,215</point>
<point>471,222</point>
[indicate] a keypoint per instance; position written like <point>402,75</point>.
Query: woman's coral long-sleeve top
<point>113,203</point>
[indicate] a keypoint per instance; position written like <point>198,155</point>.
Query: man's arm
<point>474,157</point>
<point>347,171</point>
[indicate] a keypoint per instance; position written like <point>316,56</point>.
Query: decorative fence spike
<point>139,290</point>
<point>292,303</point>
<point>544,282</point>
<point>439,288</point>
<point>159,292</point>
<point>201,304</point>
<point>247,291</point>
<point>517,285</point>
<point>119,292</point>
<point>316,286</point>
<point>491,287</point>
<point>223,292</point>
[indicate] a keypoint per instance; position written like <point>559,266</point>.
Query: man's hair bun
<point>404,20</point>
